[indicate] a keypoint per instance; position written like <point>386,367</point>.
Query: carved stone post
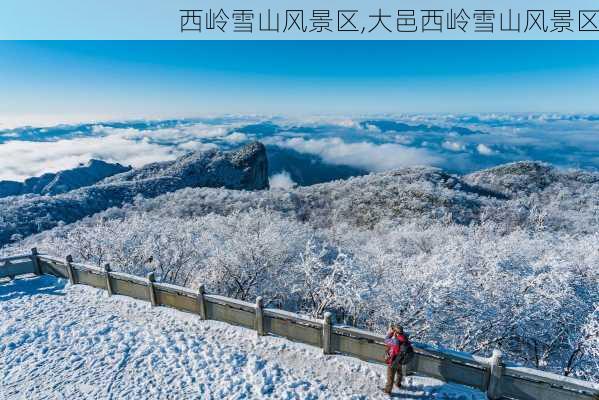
<point>70,272</point>
<point>496,370</point>
<point>202,302</point>
<point>326,333</point>
<point>36,261</point>
<point>7,265</point>
<point>259,322</point>
<point>151,292</point>
<point>108,282</point>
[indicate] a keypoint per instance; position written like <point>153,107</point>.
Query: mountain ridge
<point>245,168</point>
<point>53,183</point>
<point>192,185</point>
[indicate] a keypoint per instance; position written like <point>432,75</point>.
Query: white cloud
<point>282,180</point>
<point>402,139</point>
<point>484,150</point>
<point>207,131</point>
<point>196,146</point>
<point>373,128</point>
<point>176,134</point>
<point>516,136</point>
<point>316,121</point>
<point>366,155</point>
<point>20,160</point>
<point>453,146</point>
<point>236,137</point>
<point>345,123</point>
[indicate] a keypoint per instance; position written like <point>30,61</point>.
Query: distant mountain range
<point>423,195</point>
<point>245,168</point>
<point>63,181</point>
<point>412,193</point>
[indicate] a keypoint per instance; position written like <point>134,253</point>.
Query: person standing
<point>398,353</point>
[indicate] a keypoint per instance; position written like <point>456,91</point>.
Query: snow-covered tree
<point>497,259</point>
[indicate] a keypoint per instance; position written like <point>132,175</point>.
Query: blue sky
<point>66,81</point>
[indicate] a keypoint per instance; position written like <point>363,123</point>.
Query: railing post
<point>496,370</point>
<point>326,333</point>
<point>108,282</point>
<point>70,272</point>
<point>202,302</point>
<point>36,262</point>
<point>7,264</point>
<point>259,322</point>
<point>152,293</point>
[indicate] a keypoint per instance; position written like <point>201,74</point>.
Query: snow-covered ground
<point>59,341</point>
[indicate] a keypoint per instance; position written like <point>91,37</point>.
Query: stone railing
<point>491,375</point>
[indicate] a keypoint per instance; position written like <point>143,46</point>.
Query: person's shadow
<point>29,286</point>
<point>411,389</point>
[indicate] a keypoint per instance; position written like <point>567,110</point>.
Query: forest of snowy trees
<point>506,258</point>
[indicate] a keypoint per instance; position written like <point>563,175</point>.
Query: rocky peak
<point>254,163</point>
<point>246,168</point>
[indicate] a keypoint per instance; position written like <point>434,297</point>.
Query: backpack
<point>405,355</point>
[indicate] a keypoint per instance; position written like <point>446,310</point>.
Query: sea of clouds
<point>458,143</point>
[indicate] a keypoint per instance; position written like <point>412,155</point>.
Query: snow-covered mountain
<point>191,186</point>
<point>242,169</point>
<point>509,193</point>
<point>505,257</point>
<point>63,181</point>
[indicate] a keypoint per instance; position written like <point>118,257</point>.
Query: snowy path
<point>74,342</point>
